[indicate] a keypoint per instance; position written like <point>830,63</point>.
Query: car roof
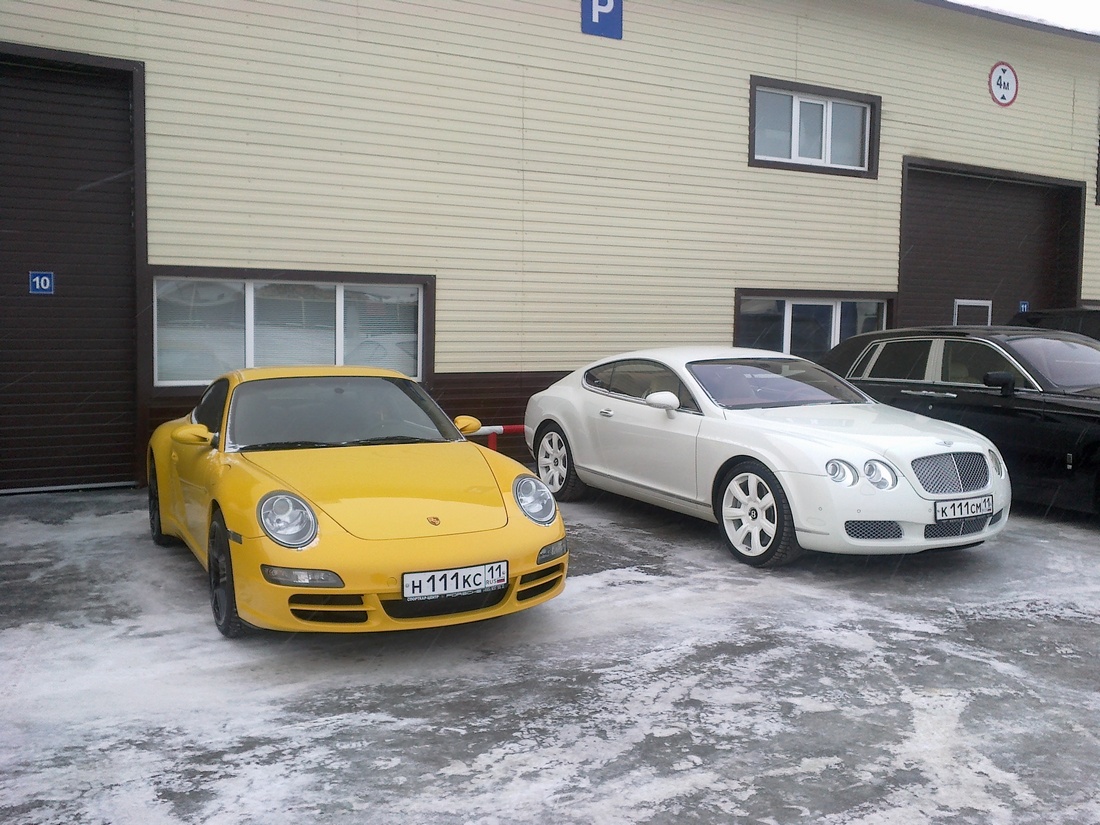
<point>310,371</point>
<point>682,355</point>
<point>1001,332</point>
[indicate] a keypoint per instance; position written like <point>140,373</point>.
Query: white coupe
<point>783,455</point>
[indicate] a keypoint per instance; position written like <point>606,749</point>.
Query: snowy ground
<point>668,684</point>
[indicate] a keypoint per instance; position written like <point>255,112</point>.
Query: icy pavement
<point>668,684</point>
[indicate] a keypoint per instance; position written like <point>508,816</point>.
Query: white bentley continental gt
<point>783,455</point>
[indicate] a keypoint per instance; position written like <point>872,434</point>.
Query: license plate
<point>458,581</point>
<point>958,508</point>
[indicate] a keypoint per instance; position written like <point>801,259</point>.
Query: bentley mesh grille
<point>952,472</point>
<point>959,527</point>
<point>873,530</point>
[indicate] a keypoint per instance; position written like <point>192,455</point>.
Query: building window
<point>795,126</point>
<point>203,328</point>
<point>807,327</point>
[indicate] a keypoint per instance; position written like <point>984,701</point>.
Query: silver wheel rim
<point>749,514</point>
<point>553,461</point>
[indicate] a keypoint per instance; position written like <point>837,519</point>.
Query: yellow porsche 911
<point>344,499</point>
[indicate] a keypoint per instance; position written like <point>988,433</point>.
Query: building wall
<point>573,195</point>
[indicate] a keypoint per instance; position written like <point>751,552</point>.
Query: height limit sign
<point>1003,84</point>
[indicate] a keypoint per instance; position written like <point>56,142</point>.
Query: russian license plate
<point>957,508</point>
<point>458,581</point>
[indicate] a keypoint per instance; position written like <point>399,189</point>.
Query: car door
<point>896,372</point>
<point>195,465</point>
<point>648,448</point>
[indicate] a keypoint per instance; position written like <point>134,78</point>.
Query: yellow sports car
<point>344,499</point>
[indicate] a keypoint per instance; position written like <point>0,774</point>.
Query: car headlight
<point>998,465</point>
<point>841,472</point>
<point>534,499</point>
<point>880,474</point>
<point>287,520</point>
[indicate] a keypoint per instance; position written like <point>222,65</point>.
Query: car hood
<point>888,431</point>
<point>396,491</point>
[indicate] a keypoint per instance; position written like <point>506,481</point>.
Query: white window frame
<point>250,322</point>
<point>827,98</point>
<point>797,157</point>
<point>836,304</point>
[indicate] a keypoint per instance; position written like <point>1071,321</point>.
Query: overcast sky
<point>1079,15</point>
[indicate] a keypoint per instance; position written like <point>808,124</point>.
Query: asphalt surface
<point>668,684</point>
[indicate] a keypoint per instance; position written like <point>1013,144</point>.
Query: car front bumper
<point>371,598</point>
<point>862,520</point>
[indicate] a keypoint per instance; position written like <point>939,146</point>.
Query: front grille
<point>330,608</point>
<point>952,472</point>
<point>444,605</point>
<point>960,527</point>
<point>873,530</point>
<point>539,582</point>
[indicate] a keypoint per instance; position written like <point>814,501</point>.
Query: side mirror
<point>193,434</point>
<point>1003,380</point>
<point>467,424</point>
<point>664,400</point>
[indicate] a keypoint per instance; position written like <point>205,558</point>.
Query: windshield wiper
<point>390,439</point>
<point>287,445</point>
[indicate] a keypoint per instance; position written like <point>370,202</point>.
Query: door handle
<point>606,413</point>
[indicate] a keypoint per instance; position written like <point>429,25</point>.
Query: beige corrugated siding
<point>573,195</point>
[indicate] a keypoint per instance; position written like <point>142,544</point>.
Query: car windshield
<point>1070,366</point>
<point>334,411</point>
<point>744,383</point>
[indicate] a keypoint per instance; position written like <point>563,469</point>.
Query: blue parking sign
<point>603,18</point>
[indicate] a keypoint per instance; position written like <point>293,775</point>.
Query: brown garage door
<point>970,237</point>
<point>67,362</point>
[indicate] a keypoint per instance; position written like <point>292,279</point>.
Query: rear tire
<point>555,465</point>
<point>223,596</point>
<point>155,528</point>
<point>755,516</point>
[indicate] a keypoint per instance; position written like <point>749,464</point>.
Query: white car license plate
<point>964,508</point>
<point>458,581</point>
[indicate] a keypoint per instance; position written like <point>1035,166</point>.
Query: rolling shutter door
<point>67,360</point>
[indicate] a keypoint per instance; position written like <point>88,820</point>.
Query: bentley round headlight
<point>287,520</point>
<point>534,499</point>
<point>880,474</point>
<point>841,472</point>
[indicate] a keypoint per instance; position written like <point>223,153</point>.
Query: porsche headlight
<point>841,472</point>
<point>287,520</point>
<point>534,499</point>
<point>880,474</point>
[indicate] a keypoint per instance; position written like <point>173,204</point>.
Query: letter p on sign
<point>603,18</point>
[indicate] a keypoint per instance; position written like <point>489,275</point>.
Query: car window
<point>211,406</point>
<point>637,379</point>
<point>967,362</point>
<point>902,360</point>
<point>744,383</point>
<point>600,377</point>
<point>1069,365</point>
<point>334,410</point>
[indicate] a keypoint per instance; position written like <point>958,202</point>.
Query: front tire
<point>555,465</point>
<point>755,516</point>
<point>223,596</point>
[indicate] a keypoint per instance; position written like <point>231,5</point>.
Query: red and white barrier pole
<point>494,430</point>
